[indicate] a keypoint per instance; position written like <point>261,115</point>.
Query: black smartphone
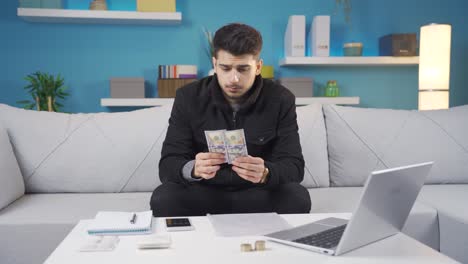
<point>179,224</point>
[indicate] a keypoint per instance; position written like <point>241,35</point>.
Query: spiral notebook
<point>121,223</point>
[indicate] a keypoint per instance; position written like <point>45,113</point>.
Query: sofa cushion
<point>50,217</point>
<point>102,152</point>
<point>450,199</point>
<point>11,180</point>
<point>363,140</point>
<point>69,208</point>
<point>314,145</point>
<point>335,199</point>
<point>450,202</point>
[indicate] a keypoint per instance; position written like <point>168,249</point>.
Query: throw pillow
<point>11,180</point>
<point>314,145</point>
<point>362,140</point>
<point>98,152</point>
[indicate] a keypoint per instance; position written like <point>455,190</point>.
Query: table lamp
<point>434,67</point>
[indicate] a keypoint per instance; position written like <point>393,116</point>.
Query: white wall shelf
<point>136,101</point>
<point>112,102</point>
<point>328,100</point>
<point>349,61</point>
<point>98,17</point>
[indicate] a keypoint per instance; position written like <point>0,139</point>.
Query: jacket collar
<point>220,101</point>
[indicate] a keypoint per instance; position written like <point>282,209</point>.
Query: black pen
<point>133,220</point>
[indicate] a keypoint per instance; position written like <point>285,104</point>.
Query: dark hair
<point>238,39</point>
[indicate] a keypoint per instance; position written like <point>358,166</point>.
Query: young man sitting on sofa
<point>197,182</point>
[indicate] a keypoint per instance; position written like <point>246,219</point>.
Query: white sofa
<point>59,168</point>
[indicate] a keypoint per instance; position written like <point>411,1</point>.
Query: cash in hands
<point>230,142</point>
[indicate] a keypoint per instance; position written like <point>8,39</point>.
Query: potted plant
<point>44,89</point>
<point>209,49</point>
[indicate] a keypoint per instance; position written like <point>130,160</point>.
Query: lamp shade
<point>434,66</point>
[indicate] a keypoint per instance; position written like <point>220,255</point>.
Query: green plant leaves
<point>210,47</point>
<point>41,86</point>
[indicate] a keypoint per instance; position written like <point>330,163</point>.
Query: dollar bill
<point>215,140</point>
<point>235,144</point>
<point>230,142</point>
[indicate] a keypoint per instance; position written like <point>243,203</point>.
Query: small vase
<point>332,90</point>
<point>98,5</point>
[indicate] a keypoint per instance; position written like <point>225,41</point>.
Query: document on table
<point>247,224</point>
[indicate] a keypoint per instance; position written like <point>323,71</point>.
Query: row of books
<point>177,71</point>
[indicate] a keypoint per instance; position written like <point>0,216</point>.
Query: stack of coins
<point>246,247</point>
<point>98,5</point>
<point>259,246</point>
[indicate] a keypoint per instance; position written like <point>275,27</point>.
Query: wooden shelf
<point>349,61</point>
<point>112,102</point>
<point>98,17</point>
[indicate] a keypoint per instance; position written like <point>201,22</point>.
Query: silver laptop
<point>382,211</point>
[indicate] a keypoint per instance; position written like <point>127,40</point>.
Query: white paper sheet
<point>247,224</point>
<point>100,243</point>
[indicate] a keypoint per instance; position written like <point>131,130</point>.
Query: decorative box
<point>320,36</point>
<point>156,5</point>
<point>167,87</point>
<point>29,3</point>
<point>300,87</point>
<point>398,45</point>
<point>127,87</point>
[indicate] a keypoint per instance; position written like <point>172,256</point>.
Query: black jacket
<point>268,117</point>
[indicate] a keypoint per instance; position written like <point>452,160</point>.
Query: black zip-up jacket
<point>268,117</point>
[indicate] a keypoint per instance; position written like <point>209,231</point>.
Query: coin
<point>260,245</point>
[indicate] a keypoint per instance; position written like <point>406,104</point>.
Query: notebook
<point>121,223</point>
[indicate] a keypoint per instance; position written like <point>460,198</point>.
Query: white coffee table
<point>203,246</point>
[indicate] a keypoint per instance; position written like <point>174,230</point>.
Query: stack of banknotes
<point>230,142</point>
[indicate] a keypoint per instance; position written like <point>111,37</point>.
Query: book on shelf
<point>177,71</point>
<point>121,223</point>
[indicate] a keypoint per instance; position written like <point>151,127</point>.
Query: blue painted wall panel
<point>88,55</point>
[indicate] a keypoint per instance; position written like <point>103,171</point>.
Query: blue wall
<point>88,55</point>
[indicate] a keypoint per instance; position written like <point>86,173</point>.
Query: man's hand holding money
<point>207,164</point>
<point>233,144</point>
<point>249,168</point>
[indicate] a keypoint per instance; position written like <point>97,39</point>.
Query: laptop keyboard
<point>326,239</point>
